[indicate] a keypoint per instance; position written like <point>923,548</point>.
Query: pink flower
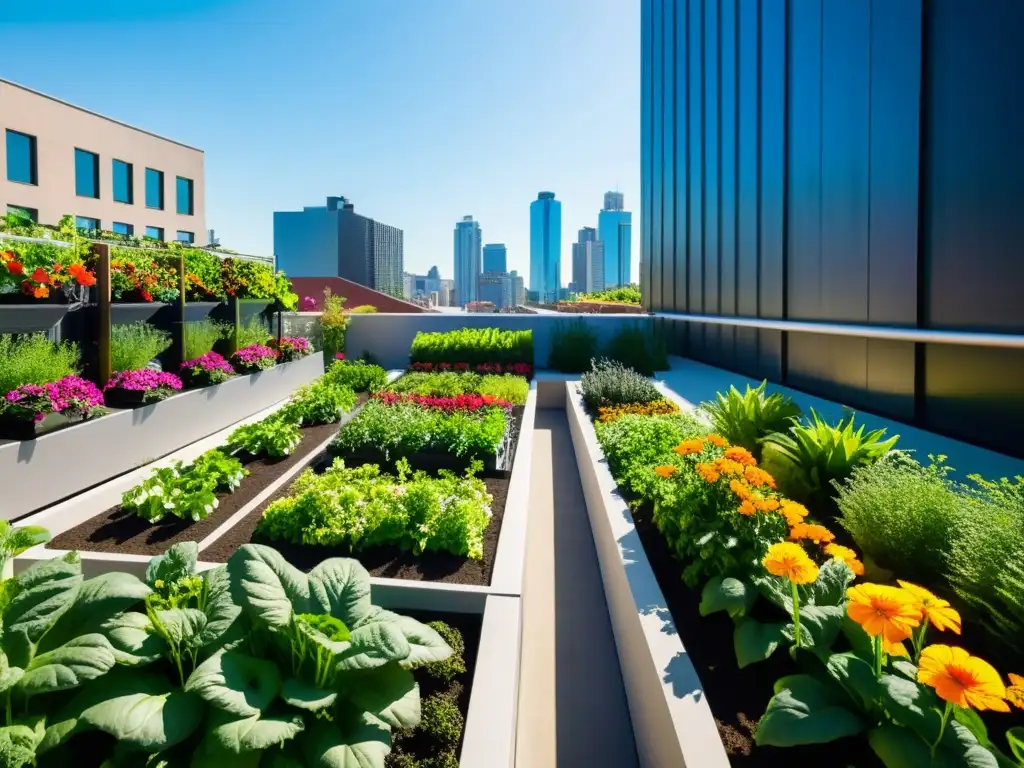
<point>339,356</point>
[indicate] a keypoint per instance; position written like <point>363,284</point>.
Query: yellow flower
<point>708,472</point>
<point>791,562</point>
<point>687,447</point>
<point>1015,690</point>
<point>883,610</point>
<point>758,477</point>
<point>159,583</point>
<point>666,471</point>
<point>742,492</point>
<point>747,508</point>
<point>845,555</point>
<point>812,532</point>
<point>962,679</point>
<point>728,467</point>
<point>740,455</point>
<point>894,649</point>
<point>793,512</point>
<point>940,613</point>
<point>716,440</point>
<point>766,505</point>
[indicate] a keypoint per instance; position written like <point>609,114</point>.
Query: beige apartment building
<point>61,159</point>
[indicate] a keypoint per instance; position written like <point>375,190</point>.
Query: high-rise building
<point>468,239</point>
<point>518,289</point>
<point>546,247</point>
<point>334,240</point>
<point>580,268</point>
<point>496,287</point>
<point>495,257</point>
<point>615,230</point>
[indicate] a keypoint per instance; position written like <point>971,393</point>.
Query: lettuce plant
<point>322,402</point>
<point>185,491</point>
<point>273,436</point>
<point>357,375</point>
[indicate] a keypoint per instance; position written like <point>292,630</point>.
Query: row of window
<point>22,166</point>
<point>118,227</point>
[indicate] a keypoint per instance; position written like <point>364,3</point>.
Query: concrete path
<point>572,707</point>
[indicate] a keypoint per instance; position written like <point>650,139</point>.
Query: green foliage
<point>188,491</point>
<point>134,345</point>
<point>825,454</point>
<point>357,375</point>
<point>322,402</point>
<point>34,359</point>
<point>573,346</point>
<point>473,346</point>
<point>207,270</point>
<point>333,323</point>
<point>746,419</point>
<point>401,429</point>
<point>442,720</point>
<point>611,383</point>
<point>363,309</point>
<point>509,387</point>
<point>202,335</point>
<point>254,331</point>
<point>272,437</point>
<point>448,669</point>
<point>643,351</point>
<point>362,507</point>
<point>634,445</point>
<point>15,540</point>
<point>625,294</point>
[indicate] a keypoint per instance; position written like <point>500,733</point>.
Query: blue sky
<point>421,111</point>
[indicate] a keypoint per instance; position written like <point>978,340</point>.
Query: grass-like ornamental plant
<point>609,383</point>
<point>272,437</point>
<point>640,349</point>
<point>202,335</point>
<point>155,385</point>
<point>205,370</point>
<point>472,346</point>
<point>254,331</point>
<point>357,375</point>
<point>34,359</point>
<point>573,345</point>
<point>362,507</point>
<point>187,491</point>
<point>255,357</point>
<point>134,345</point>
<point>745,419</point>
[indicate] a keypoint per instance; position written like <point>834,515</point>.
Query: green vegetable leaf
<point>426,644</point>
<point>389,693</point>
<point>17,746</point>
<point>77,661</point>
<point>374,644</point>
<point>819,624</point>
<point>727,594</point>
<point>9,675</point>
<point>898,747</point>
<point>267,586</point>
<point>134,640</point>
<point>212,754</point>
<point>184,626</point>
<point>45,592</point>
<point>830,587</point>
<point>1015,738</point>
<point>857,678</point>
<point>177,562</point>
<point>236,683</point>
<point>341,588</point>
<point>256,732</point>
<point>364,744</point>
<point>755,641</point>
<point>305,696</point>
<point>805,711</point>
<point>25,537</point>
<point>99,599</point>
<point>224,622</point>
<point>775,590</point>
<point>913,705</point>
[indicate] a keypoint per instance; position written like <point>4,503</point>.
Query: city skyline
<point>545,278</point>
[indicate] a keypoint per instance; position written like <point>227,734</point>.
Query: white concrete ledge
<point>672,721</point>
<point>57,465</point>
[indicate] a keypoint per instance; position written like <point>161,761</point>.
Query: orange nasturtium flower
<point>793,512</point>
<point>708,472</point>
<point>894,649</point>
<point>962,679</point>
<point>716,440</point>
<point>883,610</point>
<point>747,508</point>
<point>812,532</point>
<point>791,562</point>
<point>1015,690</point>
<point>742,455</point>
<point>665,471</point>
<point>687,447</point>
<point>938,612</point>
<point>845,555</point>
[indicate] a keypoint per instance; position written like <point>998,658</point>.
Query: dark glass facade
<point>123,185</point>
<point>184,194</point>
<point>842,162</point>
<point>87,173</point>
<point>154,189</point>
<point>21,158</point>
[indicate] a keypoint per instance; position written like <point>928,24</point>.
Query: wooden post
<point>235,308</point>
<point>103,360</point>
<point>180,328</point>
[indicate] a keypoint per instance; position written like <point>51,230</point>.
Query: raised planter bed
<point>18,429</point>
<point>30,318</point>
<point>63,463</point>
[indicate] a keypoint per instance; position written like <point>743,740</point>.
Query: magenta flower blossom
<point>339,356</point>
<point>293,347</point>
<point>72,396</point>
<point>255,357</point>
<point>308,304</point>
<point>210,368</point>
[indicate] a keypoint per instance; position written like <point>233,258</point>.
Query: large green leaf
<point>134,639</point>
<point>74,663</point>
<point>236,683</point>
<point>177,562</point>
<point>374,644</point>
<point>225,624</point>
<point>267,586</point>
<point>834,577</point>
<point>212,754</point>
<point>819,627</point>
<point>340,587</point>
<point>898,747</point>
<point>9,675</point>
<point>1015,738</point>
<point>806,711</point>
<point>755,641</point>
<point>913,705</point>
<point>389,693</point>
<point>426,645</point>
<point>184,626</point>
<point>255,733</point>
<point>364,744</point>
<point>45,592</point>
<point>858,639</point>
<point>25,537</point>
<point>303,695</point>
<point>99,599</point>
<point>727,594</point>
<point>775,590</point>
<point>857,678</point>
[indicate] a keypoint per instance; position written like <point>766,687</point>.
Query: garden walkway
<point>572,706</point>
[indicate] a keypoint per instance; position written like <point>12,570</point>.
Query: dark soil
<point>118,531</point>
<point>738,697</point>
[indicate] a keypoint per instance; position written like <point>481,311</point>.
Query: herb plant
<point>573,346</point>
<point>333,323</point>
<point>16,539</point>
<point>473,345</point>
<point>34,359</point>
<point>513,389</point>
<point>357,375</point>
<point>253,332</point>
<point>272,437</point>
<point>202,335</point>
<point>322,402</point>
<point>609,383</point>
<point>634,445</point>
<point>134,345</point>
<point>642,350</point>
<point>185,491</point>
<point>746,419</point>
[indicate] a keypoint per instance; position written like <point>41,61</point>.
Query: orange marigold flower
<point>708,472</point>
<point>728,467</point>
<point>811,532</point>
<point>742,455</point>
<point>665,471</point>
<point>845,555</point>
<point>747,508</point>
<point>758,477</point>
<point>939,612</point>
<point>894,649</point>
<point>791,562</point>
<point>766,505</point>
<point>883,610</point>
<point>962,679</point>
<point>40,291</point>
<point>717,440</point>
<point>793,512</point>
<point>687,447</point>
<point>742,491</point>
<point>1015,690</point>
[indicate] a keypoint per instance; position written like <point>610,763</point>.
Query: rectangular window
<point>184,187</point>
<point>154,189</point>
<point>186,237</point>
<point>32,214</point>
<point>155,233</point>
<point>84,222</point>
<point>21,158</point>
<point>87,173</point>
<point>120,228</point>
<point>124,191</point>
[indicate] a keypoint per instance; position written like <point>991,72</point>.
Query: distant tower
<point>613,201</point>
<point>545,247</point>
<point>615,231</point>
<point>495,258</point>
<point>468,239</point>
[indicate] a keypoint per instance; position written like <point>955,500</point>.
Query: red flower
<point>82,275</point>
<point>339,356</point>
<point>40,276</point>
<point>15,268</point>
<point>146,295</point>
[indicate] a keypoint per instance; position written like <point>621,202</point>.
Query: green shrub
<point>473,346</point>
<point>448,669</point>
<point>643,351</point>
<point>506,386</point>
<point>202,335</point>
<point>253,331</point>
<point>611,383</point>
<point>442,720</point>
<point>34,359</point>
<point>746,419</point>
<point>634,445</point>
<point>363,309</point>
<point>333,323</point>
<point>625,294</point>
<point>357,375</point>
<point>132,346</point>
<point>207,269</point>
<point>573,346</point>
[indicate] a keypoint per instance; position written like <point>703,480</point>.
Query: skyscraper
<point>546,247</point>
<point>468,240</point>
<point>495,258</point>
<point>579,259</point>
<point>615,230</point>
<point>518,289</point>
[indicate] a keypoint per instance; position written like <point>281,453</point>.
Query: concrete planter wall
<point>55,466</point>
<point>671,718</point>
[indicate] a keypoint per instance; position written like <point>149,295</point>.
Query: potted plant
<point>205,370</point>
<point>253,358</point>
<point>37,285</point>
<point>133,389</point>
<point>32,410</point>
<point>291,348</point>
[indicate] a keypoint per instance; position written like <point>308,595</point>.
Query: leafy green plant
<point>473,346</point>
<point>333,323</point>
<point>322,402</point>
<point>508,387</point>
<point>254,331</point>
<point>202,335</point>
<point>642,350</point>
<point>34,359</point>
<point>273,437</point>
<point>634,445</point>
<point>625,294</point>
<point>357,375</point>
<point>446,670</point>
<point>363,309</point>
<point>16,539</point>
<point>206,267</point>
<point>573,346</point>
<point>611,383</point>
<point>362,507</point>
<point>134,345</point>
<point>825,454</point>
<point>185,491</point>
<point>746,419</point>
